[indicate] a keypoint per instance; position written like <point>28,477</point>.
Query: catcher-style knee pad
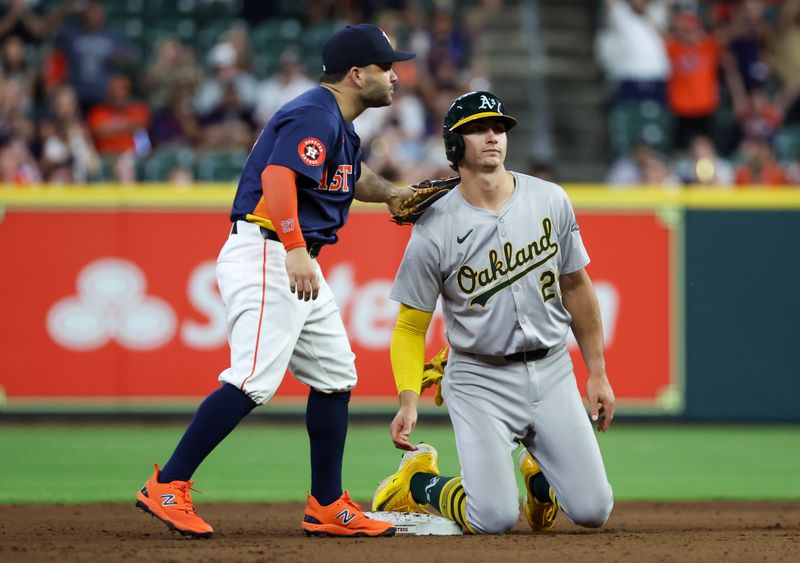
<point>453,146</point>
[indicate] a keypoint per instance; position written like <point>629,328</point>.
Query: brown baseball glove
<point>425,194</point>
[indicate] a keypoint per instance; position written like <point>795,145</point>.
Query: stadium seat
<point>172,8</point>
<point>124,8</point>
<point>314,37</point>
<point>787,143</point>
<point>207,34</point>
<point>629,123</point>
<point>265,64</point>
<point>292,8</point>
<point>284,31</point>
<point>313,63</point>
<point>132,27</point>
<point>223,166</point>
<point>181,28</point>
<point>211,12</point>
<point>311,44</point>
<point>106,171</point>
<point>157,167</point>
<point>269,41</point>
<point>275,36</point>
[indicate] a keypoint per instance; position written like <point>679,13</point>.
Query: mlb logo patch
<point>311,151</point>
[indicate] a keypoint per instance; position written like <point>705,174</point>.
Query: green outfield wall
<point>742,291</point>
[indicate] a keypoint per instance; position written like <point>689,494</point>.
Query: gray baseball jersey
<point>493,267</point>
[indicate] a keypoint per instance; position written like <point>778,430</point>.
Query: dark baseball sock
<point>216,416</point>
<point>540,487</point>
<point>426,488</point>
<point>445,494</point>
<point>326,422</point>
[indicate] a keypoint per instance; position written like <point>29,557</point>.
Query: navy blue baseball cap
<point>359,45</point>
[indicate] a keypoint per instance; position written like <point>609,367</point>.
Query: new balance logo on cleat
<point>345,516</point>
<point>143,490</point>
<point>342,518</point>
<point>169,500</point>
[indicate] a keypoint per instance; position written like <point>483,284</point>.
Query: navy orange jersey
<point>310,136</point>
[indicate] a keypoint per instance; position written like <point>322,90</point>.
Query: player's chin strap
<point>432,374</point>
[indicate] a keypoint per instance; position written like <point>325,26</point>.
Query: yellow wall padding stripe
<point>752,197</point>
<point>583,196</point>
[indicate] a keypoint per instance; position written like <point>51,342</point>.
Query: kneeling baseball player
<point>505,253</point>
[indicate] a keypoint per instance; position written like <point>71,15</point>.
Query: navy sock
<point>540,487</point>
<point>216,416</point>
<point>326,422</point>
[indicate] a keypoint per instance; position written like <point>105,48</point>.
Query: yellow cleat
<point>541,515</point>
<point>394,493</point>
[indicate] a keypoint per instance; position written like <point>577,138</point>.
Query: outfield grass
<point>82,463</point>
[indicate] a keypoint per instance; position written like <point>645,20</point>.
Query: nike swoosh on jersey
<point>462,239</point>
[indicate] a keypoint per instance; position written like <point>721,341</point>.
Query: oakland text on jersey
<point>469,279</point>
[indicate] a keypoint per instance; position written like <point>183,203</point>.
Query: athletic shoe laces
<point>186,496</point>
<point>350,502</point>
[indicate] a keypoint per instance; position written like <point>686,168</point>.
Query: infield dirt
<point>637,531</point>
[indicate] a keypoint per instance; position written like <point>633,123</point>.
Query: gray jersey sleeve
<point>573,253</point>
<point>418,282</point>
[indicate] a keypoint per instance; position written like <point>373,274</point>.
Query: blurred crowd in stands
<point>702,92</point>
<point>178,90</point>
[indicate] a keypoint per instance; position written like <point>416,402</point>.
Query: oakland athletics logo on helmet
<point>476,105</point>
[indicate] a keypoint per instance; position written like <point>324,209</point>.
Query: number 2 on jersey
<point>548,279</point>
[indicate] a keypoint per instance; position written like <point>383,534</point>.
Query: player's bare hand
<point>302,271</point>
<point>404,421</point>
<point>398,196</point>
<point>601,401</point>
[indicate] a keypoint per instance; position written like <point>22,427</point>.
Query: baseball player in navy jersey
<point>294,194</point>
<point>504,252</point>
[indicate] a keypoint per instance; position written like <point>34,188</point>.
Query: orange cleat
<point>342,518</point>
<point>172,504</point>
